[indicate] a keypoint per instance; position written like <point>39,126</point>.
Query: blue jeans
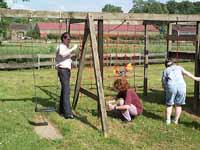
<point>65,106</point>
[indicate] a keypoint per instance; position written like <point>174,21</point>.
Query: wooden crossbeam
<point>98,15</point>
<point>183,37</point>
<point>89,94</point>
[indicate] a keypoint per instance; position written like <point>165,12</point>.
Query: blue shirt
<point>173,76</point>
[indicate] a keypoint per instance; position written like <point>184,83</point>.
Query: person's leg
<point>170,96</point>
<point>61,102</point>
<point>125,115</point>
<point>178,110</point>
<point>129,113</point>
<point>65,80</point>
<point>133,110</point>
<point>179,101</point>
<point>61,93</point>
<point>168,113</point>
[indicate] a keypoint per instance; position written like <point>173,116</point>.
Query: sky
<point>72,5</point>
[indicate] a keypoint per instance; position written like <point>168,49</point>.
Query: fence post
<point>53,62</point>
<point>38,58</point>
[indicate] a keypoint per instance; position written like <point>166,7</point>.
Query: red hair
<point>121,84</point>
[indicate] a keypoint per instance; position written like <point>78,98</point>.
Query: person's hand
<point>197,79</point>
<point>120,102</point>
<point>111,107</point>
<point>75,46</point>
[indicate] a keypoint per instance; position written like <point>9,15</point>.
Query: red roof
<point>191,29</point>
<point>107,27</point>
<point>51,26</point>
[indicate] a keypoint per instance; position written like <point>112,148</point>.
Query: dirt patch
<point>47,131</point>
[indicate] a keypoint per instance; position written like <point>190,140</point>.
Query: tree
<point>138,6</point>
<point>150,6</point>
<point>153,6</point>
<point>186,7</point>
<point>3,24</point>
<point>3,4</point>
<point>111,8</point>
<point>196,7</point>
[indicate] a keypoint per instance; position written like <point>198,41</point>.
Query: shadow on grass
<point>193,124</point>
<point>15,99</point>
<point>154,96</point>
<point>48,102</point>
<point>189,106</point>
<point>44,102</point>
<point>53,95</point>
<point>151,115</point>
<point>84,120</point>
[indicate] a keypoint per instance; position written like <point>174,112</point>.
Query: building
<point>18,31</point>
<point>178,29</point>
<point>77,29</point>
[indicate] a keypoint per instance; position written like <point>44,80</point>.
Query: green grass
<point>147,131</point>
<point>49,48</point>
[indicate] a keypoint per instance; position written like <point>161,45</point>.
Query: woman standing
<point>63,66</point>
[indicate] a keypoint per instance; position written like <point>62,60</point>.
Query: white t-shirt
<point>63,56</point>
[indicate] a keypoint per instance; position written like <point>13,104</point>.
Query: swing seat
<point>49,109</point>
<point>44,123</point>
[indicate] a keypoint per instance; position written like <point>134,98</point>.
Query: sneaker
<point>69,117</point>
<point>168,122</point>
<point>175,121</point>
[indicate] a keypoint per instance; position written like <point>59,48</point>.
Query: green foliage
<point>34,33</point>
<point>171,7</point>
<point>3,4</point>
<point>185,7</point>
<point>53,36</point>
<point>4,24</point>
<point>111,8</point>
<point>150,6</point>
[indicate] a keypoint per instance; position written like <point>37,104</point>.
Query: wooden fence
<point>110,59</point>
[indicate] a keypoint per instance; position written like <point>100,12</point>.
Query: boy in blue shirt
<point>175,89</point>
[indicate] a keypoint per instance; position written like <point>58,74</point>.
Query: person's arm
<point>64,51</point>
<point>190,75</point>
<point>122,107</point>
<point>115,107</point>
<point>163,79</point>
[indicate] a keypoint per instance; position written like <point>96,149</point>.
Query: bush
<point>51,36</point>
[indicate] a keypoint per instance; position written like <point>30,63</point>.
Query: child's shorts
<point>175,96</point>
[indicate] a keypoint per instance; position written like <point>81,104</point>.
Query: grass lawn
<point>147,131</point>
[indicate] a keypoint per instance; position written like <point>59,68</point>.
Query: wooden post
<point>98,77</point>
<point>0,34</point>
<point>100,52</point>
<point>100,45</point>
<point>145,82</point>
<point>80,69</point>
<point>67,25</point>
<point>196,104</point>
<point>169,42</point>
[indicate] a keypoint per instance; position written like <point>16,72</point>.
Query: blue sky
<point>71,5</point>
